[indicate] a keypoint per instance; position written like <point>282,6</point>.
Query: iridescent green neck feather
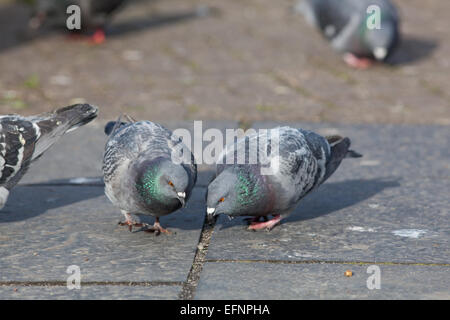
<point>248,189</point>
<point>148,185</point>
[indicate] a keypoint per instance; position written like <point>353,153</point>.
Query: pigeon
<point>147,170</point>
<point>351,27</point>
<point>300,161</point>
<point>95,14</point>
<point>25,139</point>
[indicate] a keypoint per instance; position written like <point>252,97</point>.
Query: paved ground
<point>247,64</point>
<point>388,209</point>
<point>254,60</point>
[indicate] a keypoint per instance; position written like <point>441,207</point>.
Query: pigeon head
<point>381,41</point>
<point>235,191</point>
<point>162,182</point>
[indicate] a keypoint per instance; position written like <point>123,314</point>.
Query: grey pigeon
<point>304,160</point>
<point>142,172</point>
<point>345,24</point>
<point>25,139</point>
<point>95,14</point>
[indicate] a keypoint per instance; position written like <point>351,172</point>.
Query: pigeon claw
<point>157,229</point>
<point>268,225</point>
<point>130,224</point>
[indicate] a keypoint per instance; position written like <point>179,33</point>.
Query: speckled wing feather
<point>18,137</point>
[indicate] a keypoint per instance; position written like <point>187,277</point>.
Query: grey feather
<point>138,165</point>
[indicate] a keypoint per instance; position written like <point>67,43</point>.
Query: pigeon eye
<point>170,183</point>
<point>222,199</point>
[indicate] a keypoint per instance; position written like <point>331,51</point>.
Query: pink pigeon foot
<point>355,62</point>
<point>268,225</point>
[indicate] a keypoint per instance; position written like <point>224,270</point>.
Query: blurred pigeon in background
<point>25,139</point>
<point>351,27</point>
<point>302,162</point>
<point>95,14</point>
<point>143,174</point>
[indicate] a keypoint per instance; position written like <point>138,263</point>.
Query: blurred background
<point>242,60</point>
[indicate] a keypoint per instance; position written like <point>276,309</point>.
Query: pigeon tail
<point>112,126</point>
<point>339,148</point>
<point>53,125</point>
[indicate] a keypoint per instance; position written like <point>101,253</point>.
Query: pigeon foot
<point>157,229</point>
<point>130,224</point>
<point>268,225</point>
<point>358,63</point>
<point>98,37</point>
<point>256,219</point>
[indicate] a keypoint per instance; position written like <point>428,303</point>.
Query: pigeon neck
<point>148,186</point>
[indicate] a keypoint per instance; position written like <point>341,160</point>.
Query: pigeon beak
<point>380,53</point>
<point>182,198</point>
<point>210,213</point>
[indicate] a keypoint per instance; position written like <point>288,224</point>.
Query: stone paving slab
<point>45,229</point>
<point>76,154</point>
<point>410,152</point>
<point>353,220</point>
<point>320,281</point>
<point>94,292</point>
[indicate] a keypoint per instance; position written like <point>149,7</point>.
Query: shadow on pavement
<point>335,196</point>
<point>26,202</point>
<point>411,50</point>
<point>31,200</point>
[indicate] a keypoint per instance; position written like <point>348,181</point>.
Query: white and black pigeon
<point>351,28</point>
<point>95,14</point>
<point>300,161</point>
<point>25,139</point>
<point>144,171</point>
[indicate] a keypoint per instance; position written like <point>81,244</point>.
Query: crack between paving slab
<point>91,283</point>
<point>190,286</point>
<point>329,262</point>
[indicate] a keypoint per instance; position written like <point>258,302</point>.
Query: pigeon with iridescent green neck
<point>362,30</point>
<point>145,172</point>
<point>296,162</point>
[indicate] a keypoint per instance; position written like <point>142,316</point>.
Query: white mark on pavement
<point>360,229</point>
<point>82,180</point>
<point>409,233</point>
